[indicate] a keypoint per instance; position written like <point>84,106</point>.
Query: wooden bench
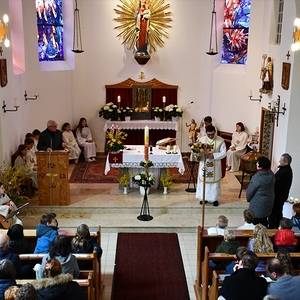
<point>85,284</point>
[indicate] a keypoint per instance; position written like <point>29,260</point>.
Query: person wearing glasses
<point>51,138</point>
<point>214,151</point>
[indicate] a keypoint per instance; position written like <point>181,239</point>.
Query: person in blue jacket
<point>46,232</point>
<point>7,276</point>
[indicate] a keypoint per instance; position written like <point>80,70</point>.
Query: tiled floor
<point>178,211</point>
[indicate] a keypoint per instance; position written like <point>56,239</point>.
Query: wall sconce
<point>274,107</point>
<point>35,96</point>
<point>254,99</point>
<point>296,36</point>
<point>16,106</point>
<point>4,31</point>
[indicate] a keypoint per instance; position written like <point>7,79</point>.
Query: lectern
<point>52,171</point>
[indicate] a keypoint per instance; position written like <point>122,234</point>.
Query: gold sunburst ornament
<point>143,24</point>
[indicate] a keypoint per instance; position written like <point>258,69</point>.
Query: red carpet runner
<point>149,266</point>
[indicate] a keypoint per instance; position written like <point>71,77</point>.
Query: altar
<point>133,155</point>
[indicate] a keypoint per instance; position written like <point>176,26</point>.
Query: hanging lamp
<point>213,48</point>
<point>77,42</point>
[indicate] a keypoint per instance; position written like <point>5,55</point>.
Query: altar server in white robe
<point>70,141</point>
<point>237,148</point>
<point>217,151</point>
<point>85,140</point>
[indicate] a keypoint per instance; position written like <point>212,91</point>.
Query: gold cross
<point>115,159</point>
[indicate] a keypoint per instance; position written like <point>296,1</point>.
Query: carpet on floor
<point>149,266</point>
<point>93,172</point>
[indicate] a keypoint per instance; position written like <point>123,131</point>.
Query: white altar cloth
<point>160,159</point>
<point>140,124</point>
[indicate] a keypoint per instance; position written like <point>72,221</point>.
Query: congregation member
<point>7,206</point>
<point>70,141</point>
<point>260,192</point>
<point>60,249</point>
<point>85,139</point>
<point>8,275</point>
<point>26,292</point>
<point>244,283</point>
<point>283,182</point>
<point>284,237</point>
<point>5,253</point>
<point>287,287</point>
<point>213,167</point>
<point>36,135</point>
<point>46,232</point>
<point>31,156</point>
<point>11,292</point>
<point>296,215</point>
<point>284,256</point>
<point>237,148</point>
<point>50,139</point>
<point>222,223</point>
<point>249,218</point>
<point>233,266</point>
<point>56,284</point>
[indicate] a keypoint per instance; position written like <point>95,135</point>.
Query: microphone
<point>188,105</point>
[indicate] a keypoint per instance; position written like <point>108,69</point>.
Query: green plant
<point>166,179</point>
<point>124,179</point>
<point>157,112</point>
<point>109,111</point>
<point>12,180</point>
<point>127,111</point>
<point>145,178</point>
<point>174,110</point>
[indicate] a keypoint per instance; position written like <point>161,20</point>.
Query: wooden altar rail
<point>213,276</point>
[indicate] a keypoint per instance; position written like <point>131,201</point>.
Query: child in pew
<point>232,267</point>
<point>284,256</point>
<point>46,232</point>
<point>249,217</point>
<point>229,245</point>
<point>296,215</point>
<point>260,243</point>
<point>84,243</point>
<point>221,224</point>
<point>284,237</point>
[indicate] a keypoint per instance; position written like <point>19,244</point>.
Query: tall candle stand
<point>119,119</point>
<point>164,117</point>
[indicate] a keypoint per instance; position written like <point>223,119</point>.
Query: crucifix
<point>288,55</point>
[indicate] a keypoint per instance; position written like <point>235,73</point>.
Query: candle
<point>146,143</point>
<point>16,102</point>
<point>168,149</point>
<point>119,99</point>
<point>296,200</point>
<point>250,93</point>
<point>175,149</point>
<point>36,92</point>
<point>272,104</point>
<point>164,99</point>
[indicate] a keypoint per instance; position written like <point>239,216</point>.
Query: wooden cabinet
<point>52,170</point>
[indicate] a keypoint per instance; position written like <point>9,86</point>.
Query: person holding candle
<point>85,140</point>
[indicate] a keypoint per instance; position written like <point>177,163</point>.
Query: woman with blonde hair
<point>260,243</point>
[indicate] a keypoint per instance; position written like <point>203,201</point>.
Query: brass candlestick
<point>164,117</point>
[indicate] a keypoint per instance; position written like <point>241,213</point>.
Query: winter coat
<point>260,193</point>
<point>285,237</point>
<point>15,259</point>
<point>45,235</point>
<point>60,287</point>
<point>296,221</point>
<point>228,247</point>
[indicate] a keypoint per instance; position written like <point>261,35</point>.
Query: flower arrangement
<point>166,179</point>
<point>109,111</point>
<point>12,180</point>
<point>115,138</point>
<point>198,148</point>
<point>174,110</point>
<point>145,178</point>
<point>124,179</point>
<point>157,112</point>
<point>127,111</point>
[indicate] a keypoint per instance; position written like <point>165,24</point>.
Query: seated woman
<point>85,140</point>
<point>60,249</point>
<point>57,285</point>
<point>237,149</point>
<point>22,161</point>
<point>84,243</point>
<point>8,276</point>
<point>70,141</point>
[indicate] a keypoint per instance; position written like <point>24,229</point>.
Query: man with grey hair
<point>51,138</point>
<point>283,182</point>
<point>6,254</point>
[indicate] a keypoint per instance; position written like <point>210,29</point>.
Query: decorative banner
<point>115,158</point>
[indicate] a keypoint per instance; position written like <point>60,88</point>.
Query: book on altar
<point>215,231</point>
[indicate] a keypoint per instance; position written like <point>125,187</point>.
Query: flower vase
<point>157,119</point>
<point>175,119</point>
<point>142,190</point>
<point>125,190</point>
<point>165,190</point>
<point>127,118</point>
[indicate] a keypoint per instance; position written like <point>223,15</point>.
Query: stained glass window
<point>49,21</point>
<point>235,31</point>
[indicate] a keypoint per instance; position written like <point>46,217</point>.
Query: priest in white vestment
<point>213,167</point>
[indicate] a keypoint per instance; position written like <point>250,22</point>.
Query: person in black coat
<point>51,138</point>
<point>283,182</point>
<point>244,283</point>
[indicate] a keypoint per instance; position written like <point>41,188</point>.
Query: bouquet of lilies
<point>115,138</point>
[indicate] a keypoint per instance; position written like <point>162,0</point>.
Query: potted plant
<point>127,113</point>
<point>115,138</point>
<point>109,111</point>
<point>144,179</point>
<point>174,111</point>
<point>166,180</point>
<point>124,179</point>
<point>158,113</point>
